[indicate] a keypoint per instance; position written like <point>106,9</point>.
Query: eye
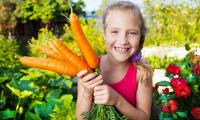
<point>132,33</point>
<point>114,31</point>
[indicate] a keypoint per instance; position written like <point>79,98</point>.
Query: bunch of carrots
<point>63,61</point>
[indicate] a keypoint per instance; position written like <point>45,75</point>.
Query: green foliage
<point>9,74</point>
<point>35,94</point>
<point>160,63</point>
<point>67,111</point>
<point>6,114</point>
<point>103,112</point>
<point>9,52</point>
<point>46,10</point>
<point>163,83</point>
<point>31,116</point>
<point>172,23</point>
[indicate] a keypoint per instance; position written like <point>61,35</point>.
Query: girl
<point>125,81</point>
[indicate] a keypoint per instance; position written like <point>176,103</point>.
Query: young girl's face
<point>122,34</point>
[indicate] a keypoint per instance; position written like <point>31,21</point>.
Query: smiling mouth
<point>121,50</point>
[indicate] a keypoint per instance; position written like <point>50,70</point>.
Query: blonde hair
<point>126,5</point>
<point>144,73</point>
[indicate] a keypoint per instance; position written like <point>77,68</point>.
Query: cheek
<point>135,43</point>
<point>109,39</point>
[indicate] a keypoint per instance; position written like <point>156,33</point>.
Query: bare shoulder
<point>144,73</point>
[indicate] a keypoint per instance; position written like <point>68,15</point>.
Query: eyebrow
<point>133,29</point>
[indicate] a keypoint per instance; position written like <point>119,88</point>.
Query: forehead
<point>121,18</point>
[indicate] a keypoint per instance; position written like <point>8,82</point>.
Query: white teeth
<point>121,50</point>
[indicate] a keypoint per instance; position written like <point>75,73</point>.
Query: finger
<point>91,86</point>
<point>81,73</point>
<point>96,84</point>
<point>98,93</point>
<point>89,77</point>
<point>97,81</point>
<point>100,97</point>
<point>93,81</point>
<point>98,88</point>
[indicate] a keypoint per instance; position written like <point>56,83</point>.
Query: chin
<point>122,59</point>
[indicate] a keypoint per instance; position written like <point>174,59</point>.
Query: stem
<point>64,15</point>
<point>70,6</point>
<point>97,70</point>
<point>1,95</point>
<point>17,107</point>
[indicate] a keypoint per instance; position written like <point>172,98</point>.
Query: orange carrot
<point>50,64</point>
<point>50,52</point>
<point>68,55</point>
<point>86,50</point>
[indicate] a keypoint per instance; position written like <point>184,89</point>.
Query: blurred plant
<point>172,22</point>
<point>7,19</point>
<point>46,10</point>
<point>9,52</point>
<point>160,63</point>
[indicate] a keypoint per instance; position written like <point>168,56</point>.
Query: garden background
<point>35,94</point>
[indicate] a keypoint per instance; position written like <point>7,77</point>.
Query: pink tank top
<point>127,87</point>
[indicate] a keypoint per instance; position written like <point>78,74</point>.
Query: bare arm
<point>143,108</point>
<point>84,102</point>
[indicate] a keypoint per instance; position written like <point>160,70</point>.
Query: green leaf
<point>182,114</point>
<point>23,88</point>
<point>3,78</point>
<point>34,103</point>
<point>68,83</point>
<point>195,89</point>
<point>31,116</point>
<point>61,82</point>
<point>43,110</point>
<point>53,94</point>
<point>162,116</point>
<point>67,99</point>
<point>163,83</point>
<point>174,116</point>
<point>54,102</point>
<point>7,114</point>
<point>191,78</point>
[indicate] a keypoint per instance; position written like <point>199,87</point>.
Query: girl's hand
<point>89,81</point>
<point>106,95</point>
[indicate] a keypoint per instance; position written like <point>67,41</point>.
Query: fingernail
<point>85,71</point>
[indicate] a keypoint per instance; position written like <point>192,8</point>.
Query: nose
<point>123,39</point>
